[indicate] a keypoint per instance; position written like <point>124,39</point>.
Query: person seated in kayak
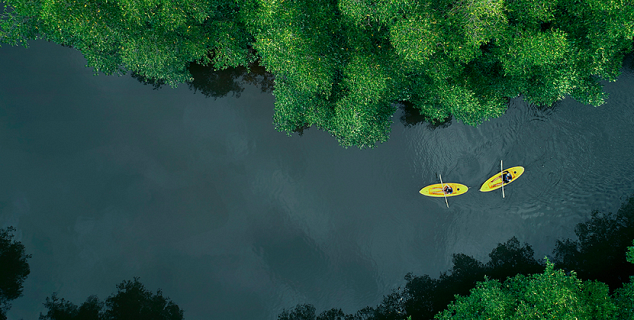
<point>507,177</point>
<point>448,189</point>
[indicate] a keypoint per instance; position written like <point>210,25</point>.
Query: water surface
<point>106,179</point>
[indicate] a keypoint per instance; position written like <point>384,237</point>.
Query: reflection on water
<point>106,179</point>
<point>410,116</point>
<point>219,83</point>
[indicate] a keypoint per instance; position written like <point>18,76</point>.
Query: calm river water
<point>106,179</point>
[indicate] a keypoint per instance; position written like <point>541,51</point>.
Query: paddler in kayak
<point>507,177</point>
<point>448,189</point>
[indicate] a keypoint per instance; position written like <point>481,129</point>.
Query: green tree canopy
<point>341,65</point>
<point>550,295</point>
<point>155,39</point>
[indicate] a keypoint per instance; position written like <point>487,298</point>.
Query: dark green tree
<point>300,312</point>
<point>134,302</point>
<point>131,302</point>
<point>61,309</point>
<point>307,312</point>
<point>14,269</point>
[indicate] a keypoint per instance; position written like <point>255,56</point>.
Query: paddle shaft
<point>502,177</point>
<point>443,190</point>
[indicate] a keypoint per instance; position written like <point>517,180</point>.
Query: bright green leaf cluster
<point>550,295</point>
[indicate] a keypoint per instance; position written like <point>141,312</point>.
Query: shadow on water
<point>598,254</point>
<point>157,84</point>
<point>411,117</point>
<point>219,83</point>
<point>628,62</point>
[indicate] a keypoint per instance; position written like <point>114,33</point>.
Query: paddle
<point>443,190</point>
<point>502,177</point>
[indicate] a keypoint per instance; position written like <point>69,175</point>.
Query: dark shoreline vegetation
<point>344,65</point>
<point>592,270</point>
<point>599,254</point>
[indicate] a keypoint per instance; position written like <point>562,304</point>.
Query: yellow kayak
<point>495,182</point>
<point>436,190</point>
